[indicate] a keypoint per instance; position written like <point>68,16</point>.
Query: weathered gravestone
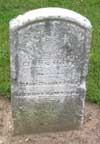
<point>49,61</point>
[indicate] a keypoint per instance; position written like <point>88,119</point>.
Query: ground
<point>89,134</point>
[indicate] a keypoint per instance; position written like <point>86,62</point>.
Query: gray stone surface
<point>49,61</point>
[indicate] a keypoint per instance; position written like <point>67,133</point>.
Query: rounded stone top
<point>49,13</point>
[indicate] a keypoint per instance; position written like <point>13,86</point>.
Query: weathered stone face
<point>49,60</point>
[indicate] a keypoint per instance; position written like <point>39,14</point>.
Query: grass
<point>88,8</point>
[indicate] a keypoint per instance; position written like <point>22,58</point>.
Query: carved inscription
<point>49,59</point>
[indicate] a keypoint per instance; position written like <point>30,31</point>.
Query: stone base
<point>49,116</point>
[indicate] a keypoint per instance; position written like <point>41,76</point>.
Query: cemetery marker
<point>49,50</point>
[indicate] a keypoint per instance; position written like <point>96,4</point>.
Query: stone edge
<point>49,13</point>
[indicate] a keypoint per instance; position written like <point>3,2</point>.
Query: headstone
<point>49,62</point>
